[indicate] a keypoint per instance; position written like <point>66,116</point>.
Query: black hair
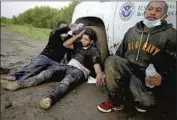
<point>91,33</point>
<point>165,5</point>
<point>61,22</point>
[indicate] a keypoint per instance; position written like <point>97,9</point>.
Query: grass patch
<point>29,31</point>
<point>3,24</point>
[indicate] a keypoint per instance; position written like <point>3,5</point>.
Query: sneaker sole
<point>140,110</point>
<point>110,110</point>
<point>102,110</point>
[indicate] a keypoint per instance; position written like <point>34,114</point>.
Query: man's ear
<point>145,11</point>
<point>92,41</point>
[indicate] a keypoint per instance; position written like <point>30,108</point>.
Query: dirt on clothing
<point>79,104</point>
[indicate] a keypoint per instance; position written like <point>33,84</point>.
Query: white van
<point>113,18</point>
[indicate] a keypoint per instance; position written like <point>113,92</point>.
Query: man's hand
<point>100,79</point>
<point>154,80</point>
<point>69,43</point>
<point>80,33</point>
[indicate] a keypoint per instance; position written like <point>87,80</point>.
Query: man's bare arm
<point>99,75</point>
<point>69,42</point>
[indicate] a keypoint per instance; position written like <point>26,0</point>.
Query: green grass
<point>29,31</point>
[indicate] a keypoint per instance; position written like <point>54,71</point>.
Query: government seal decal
<point>127,11</point>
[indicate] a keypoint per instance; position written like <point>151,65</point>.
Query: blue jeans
<point>41,69</point>
<point>34,67</point>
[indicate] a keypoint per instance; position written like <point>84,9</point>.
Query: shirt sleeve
<point>95,55</point>
<point>123,46</point>
<point>77,45</point>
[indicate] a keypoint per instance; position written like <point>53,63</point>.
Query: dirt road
<point>79,104</point>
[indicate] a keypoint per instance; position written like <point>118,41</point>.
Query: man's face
<point>155,11</point>
<point>62,25</point>
<point>86,40</point>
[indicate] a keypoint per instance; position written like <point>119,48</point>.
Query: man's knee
<point>112,72</point>
<point>115,60</point>
<point>110,64</point>
<point>112,58</point>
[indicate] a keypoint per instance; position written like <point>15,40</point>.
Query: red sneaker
<point>108,107</point>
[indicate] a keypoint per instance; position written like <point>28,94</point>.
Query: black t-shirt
<point>55,49</point>
<point>87,57</point>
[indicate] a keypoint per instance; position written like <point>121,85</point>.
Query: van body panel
<point>118,17</point>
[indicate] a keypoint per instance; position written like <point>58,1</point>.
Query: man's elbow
<point>65,45</point>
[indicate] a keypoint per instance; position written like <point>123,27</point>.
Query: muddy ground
<point>79,104</point>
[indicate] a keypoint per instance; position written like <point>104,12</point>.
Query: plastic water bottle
<point>150,71</point>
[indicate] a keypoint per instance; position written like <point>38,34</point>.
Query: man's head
<point>88,37</point>
<point>156,10</point>
<point>62,24</point>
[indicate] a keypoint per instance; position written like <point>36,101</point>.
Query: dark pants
<point>124,80</point>
<point>69,76</point>
<point>34,67</point>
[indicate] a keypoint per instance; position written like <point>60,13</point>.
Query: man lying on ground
<point>50,56</point>
<point>72,74</point>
